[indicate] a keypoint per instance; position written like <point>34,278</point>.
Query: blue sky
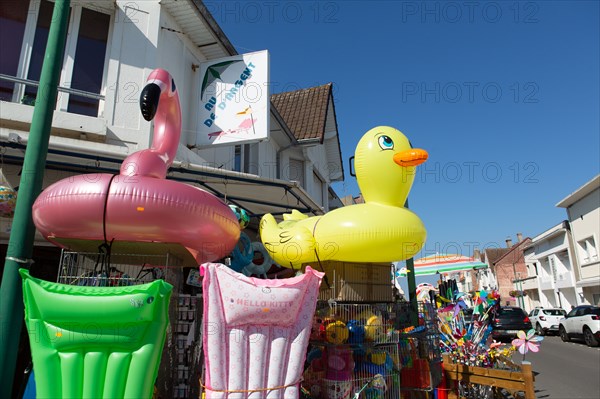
<point>503,95</point>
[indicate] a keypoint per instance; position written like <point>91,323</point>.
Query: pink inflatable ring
<point>139,209</point>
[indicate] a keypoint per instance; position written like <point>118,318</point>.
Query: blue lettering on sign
<point>208,122</point>
<point>210,104</point>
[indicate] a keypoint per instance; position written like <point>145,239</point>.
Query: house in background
<point>508,264</point>
<point>583,212</point>
<point>316,161</point>
<point>487,278</point>
<point>480,278</point>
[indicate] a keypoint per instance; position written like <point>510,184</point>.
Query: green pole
<point>20,245</point>
<point>412,287</point>
<point>412,292</point>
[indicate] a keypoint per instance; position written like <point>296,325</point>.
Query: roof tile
<point>304,111</point>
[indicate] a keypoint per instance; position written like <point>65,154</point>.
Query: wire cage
<point>114,270</point>
<point>338,324</point>
<point>353,371</point>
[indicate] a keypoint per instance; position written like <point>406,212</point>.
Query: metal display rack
<point>114,270</point>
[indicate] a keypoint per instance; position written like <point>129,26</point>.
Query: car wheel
<point>563,334</point>
<point>589,338</point>
<point>539,330</point>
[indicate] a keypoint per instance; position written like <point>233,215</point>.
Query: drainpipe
<point>20,245</point>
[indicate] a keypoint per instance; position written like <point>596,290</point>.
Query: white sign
<point>234,100</point>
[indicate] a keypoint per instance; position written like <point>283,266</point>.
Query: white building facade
<point>550,280</point>
<point>583,212</point>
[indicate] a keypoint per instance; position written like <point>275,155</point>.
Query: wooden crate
<point>356,282</point>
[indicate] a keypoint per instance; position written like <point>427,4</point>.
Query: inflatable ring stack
<point>336,332</point>
<point>374,328</point>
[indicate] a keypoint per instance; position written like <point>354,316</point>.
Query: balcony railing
<point>68,90</point>
<point>530,284</point>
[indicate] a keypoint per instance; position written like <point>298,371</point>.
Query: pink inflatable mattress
<point>255,333</point>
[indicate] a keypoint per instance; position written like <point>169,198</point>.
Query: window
<point>580,311</point>
<point>38,50</point>
<point>88,66</point>
<point>554,312</point>
<point>295,171</point>
<point>587,250</point>
<point>13,16</point>
<point>24,28</point>
<point>237,158</point>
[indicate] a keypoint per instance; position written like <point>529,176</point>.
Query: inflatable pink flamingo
<point>139,205</point>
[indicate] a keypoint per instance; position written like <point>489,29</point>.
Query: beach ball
<point>8,201</point>
<point>242,216</point>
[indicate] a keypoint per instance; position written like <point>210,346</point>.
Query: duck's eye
<point>386,143</point>
<point>173,85</point>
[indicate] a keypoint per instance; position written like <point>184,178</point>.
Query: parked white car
<point>546,320</point>
<point>583,321</point>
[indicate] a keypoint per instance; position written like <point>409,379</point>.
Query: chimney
<point>508,242</point>
<point>476,254</point>
<point>519,237</point>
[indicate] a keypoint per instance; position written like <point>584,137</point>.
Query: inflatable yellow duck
<point>380,230</point>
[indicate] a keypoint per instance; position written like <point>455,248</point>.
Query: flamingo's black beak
<point>149,100</point>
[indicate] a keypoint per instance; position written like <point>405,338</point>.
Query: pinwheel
<point>527,342</point>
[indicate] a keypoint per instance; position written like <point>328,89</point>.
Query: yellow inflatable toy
<point>380,230</point>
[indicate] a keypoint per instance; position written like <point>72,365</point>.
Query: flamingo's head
<point>159,82</point>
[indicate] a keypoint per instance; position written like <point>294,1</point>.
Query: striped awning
<point>443,263</point>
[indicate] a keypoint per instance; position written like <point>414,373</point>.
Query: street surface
<point>565,370</point>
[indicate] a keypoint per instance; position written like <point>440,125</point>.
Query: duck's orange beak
<point>412,157</point>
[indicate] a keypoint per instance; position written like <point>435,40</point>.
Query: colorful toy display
<point>467,338</point>
<point>380,230</point>
<point>139,205</point>
<point>95,342</point>
<point>8,201</point>
<point>255,332</point>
